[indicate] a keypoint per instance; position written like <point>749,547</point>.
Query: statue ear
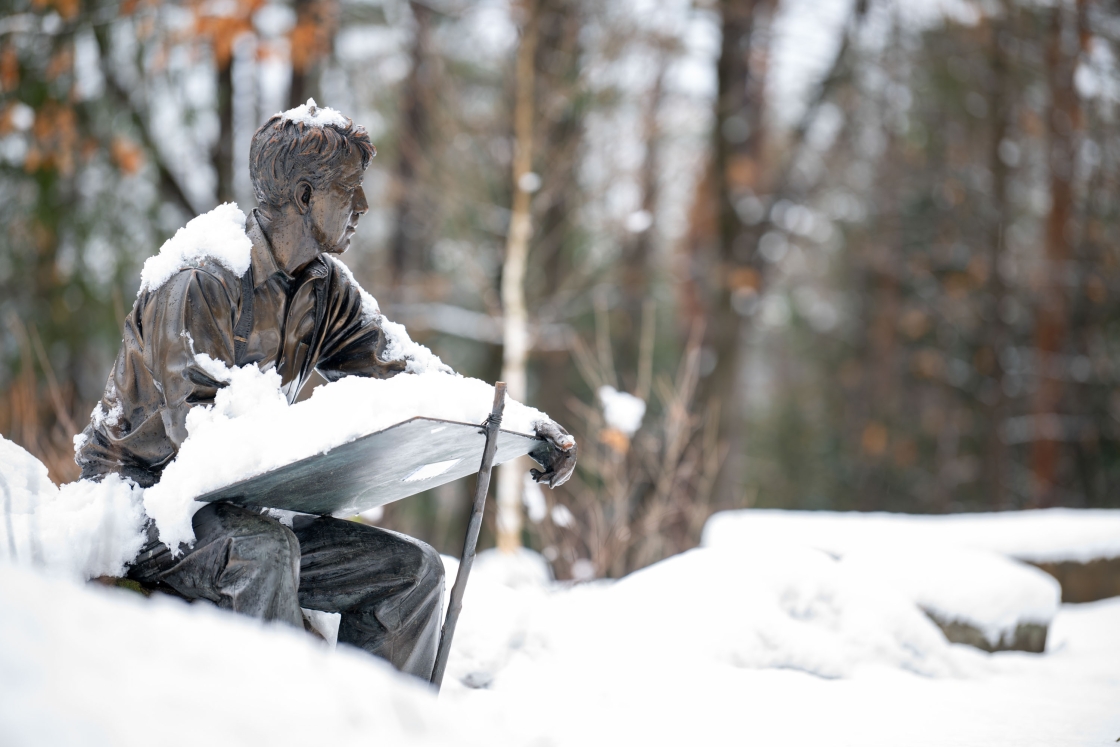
<point>303,192</point>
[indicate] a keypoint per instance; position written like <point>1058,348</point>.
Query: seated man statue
<point>295,310</point>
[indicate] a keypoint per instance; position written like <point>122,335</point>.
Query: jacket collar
<point>263,263</point>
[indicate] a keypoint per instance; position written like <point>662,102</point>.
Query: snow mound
<point>251,429</point>
<point>218,235</point>
<point>779,608</point>
<point>82,666</point>
<point>1046,535</point>
<point>622,411</point>
<point>83,529</point>
<point>987,591</point>
<point>313,115</point>
<point>794,609</point>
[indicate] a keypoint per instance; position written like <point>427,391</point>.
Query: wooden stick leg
<point>482,487</point>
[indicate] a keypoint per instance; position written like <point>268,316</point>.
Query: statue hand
<point>558,455</point>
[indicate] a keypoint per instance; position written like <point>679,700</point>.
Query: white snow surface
<point>218,235</point>
<point>714,646</point>
<point>251,429</point>
<point>313,115</point>
<point>784,648</point>
<point>83,529</point>
<point>622,411</point>
<point>98,667</point>
<point>1046,535</point>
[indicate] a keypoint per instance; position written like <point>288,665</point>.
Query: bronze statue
<point>296,311</point>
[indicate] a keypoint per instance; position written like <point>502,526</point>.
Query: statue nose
<point>360,204</point>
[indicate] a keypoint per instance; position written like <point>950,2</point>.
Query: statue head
<point>311,160</point>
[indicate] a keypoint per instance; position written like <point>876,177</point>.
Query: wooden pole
<point>482,487</point>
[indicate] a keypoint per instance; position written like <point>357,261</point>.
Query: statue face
<point>335,209</point>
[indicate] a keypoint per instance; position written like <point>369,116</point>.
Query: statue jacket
<point>315,321</point>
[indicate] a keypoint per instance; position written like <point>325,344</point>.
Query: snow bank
<point>218,235</point>
<point>987,591</point>
<point>313,115</point>
<point>798,609</point>
<point>251,429</point>
<point>82,529</point>
<point>85,666</point>
<point>1046,535</point>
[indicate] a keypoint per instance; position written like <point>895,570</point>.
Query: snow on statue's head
<point>308,143</point>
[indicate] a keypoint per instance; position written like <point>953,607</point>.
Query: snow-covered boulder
<point>1079,547</point>
<point>976,597</point>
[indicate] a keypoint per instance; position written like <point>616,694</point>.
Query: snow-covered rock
<point>1053,534</point>
<point>983,590</point>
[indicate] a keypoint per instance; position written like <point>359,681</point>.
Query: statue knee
<point>268,545</point>
<point>430,569</point>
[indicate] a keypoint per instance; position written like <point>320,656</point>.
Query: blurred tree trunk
<point>221,155</point>
<point>1052,316</point>
<point>988,358</point>
<point>637,253</point>
<point>737,172</point>
<point>312,41</point>
<point>408,243</point>
<point>562,100</point>
<point>515,319</point>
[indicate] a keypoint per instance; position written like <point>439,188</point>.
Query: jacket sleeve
<point>140,423</point>
<point>360,341</point>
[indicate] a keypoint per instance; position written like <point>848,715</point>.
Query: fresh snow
<point>1047,535</point>
<point>218,236</point>
<point>251,429</point>
<point>718,646</point>
<point>91,528</point>
<point>622,411</point>
<point>313,115</point>
<point>97,667</point>
<point>714,646</point>
<point>83,529</point>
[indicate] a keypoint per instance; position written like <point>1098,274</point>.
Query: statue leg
<point>388,587</point>
<point>240,561</point>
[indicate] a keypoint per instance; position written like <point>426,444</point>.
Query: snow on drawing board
<point>399,461</point>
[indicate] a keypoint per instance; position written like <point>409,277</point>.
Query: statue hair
<point>283,152</point>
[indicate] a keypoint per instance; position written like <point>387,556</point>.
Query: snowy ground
<point>714,646</point>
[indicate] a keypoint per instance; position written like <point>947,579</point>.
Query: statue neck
<point>289,233</point>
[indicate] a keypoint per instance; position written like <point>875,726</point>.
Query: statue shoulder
<point>344,278</point>
<point>214,243</point>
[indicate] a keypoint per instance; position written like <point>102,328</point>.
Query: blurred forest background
<point>852,254</point>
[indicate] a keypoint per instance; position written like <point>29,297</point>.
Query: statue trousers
<point>388,587</point>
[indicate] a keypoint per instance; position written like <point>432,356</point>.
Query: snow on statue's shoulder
<point>217,236</point>
<point>313,115</point>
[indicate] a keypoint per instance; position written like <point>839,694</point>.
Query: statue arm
<point>140,422</point>
<point>192,314</point>
<point>362,342</point>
